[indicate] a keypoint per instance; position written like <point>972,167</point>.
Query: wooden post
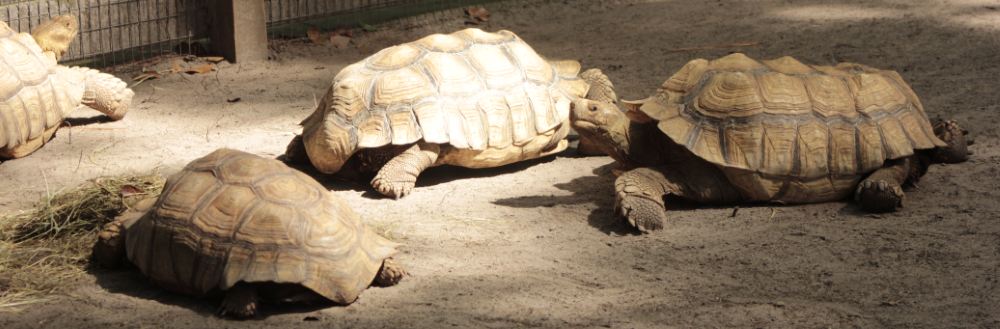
<point>239,29</point>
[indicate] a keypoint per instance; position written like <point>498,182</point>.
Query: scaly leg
<point>399,175</point>
<point>240,301</point>
<point>639,192</point>
<point>109,250</point>
<point>882,191</point>
<point>951,133</point>
<point>105,93</point>
<point>390,274</point>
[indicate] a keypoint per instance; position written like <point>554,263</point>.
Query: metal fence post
<point>238,29</point>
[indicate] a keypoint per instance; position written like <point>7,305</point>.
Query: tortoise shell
<point>471,89</point>
<point>232,216</point>
<point>35,93</point>
<point>784,130</point>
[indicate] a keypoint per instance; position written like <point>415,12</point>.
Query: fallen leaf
<point>315,35</point>
<point>340,41</point>
<point>214,59</point>
<point>145,76</point>
<point>203,68</point>
<point>233,100</point>
<point>479,13</point>
<point>130,190</point>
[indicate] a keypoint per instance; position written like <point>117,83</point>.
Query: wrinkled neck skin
<point>632,144</point>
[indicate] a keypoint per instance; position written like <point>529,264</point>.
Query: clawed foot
<point>645,214</point>
<point>879,196</point>
<point>110,249</point>
<point>951,133</point>
<point>390,274</point>
<point>392,188</point>
<point>239,303</point>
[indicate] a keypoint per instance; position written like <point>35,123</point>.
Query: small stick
<point>773,212</point>
<point>735,210</point>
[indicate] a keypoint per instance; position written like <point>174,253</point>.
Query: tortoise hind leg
<point>399,175</point>
<point>882,190</point>
<point>240,301</point>
<point>639,192</point>
<point>389,274</point>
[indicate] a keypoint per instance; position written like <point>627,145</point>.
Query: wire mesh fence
<point>119,31</point>
<point>115,31</point>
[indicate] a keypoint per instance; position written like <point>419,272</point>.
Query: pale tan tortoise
<point>36,93</point>
<point>470,98</point>
<point>737,130</point>
<point>253,229</point>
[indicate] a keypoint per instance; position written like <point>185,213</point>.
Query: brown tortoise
<point>471,98</point>
<point>253,228</point>
<point>738,130</point>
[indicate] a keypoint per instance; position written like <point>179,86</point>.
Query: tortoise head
<point>602,123</point>
<point>621,134</point>
<point>55,35</point>
<point>328,135</point>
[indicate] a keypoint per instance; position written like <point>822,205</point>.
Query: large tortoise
<point>36,93</point>
<point>738,130</point>
<point>253,228</point>
<point>470,98</point>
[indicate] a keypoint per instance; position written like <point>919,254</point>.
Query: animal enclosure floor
<point>535,244</point>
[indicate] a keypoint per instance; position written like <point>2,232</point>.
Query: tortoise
<point>254,229</point>
<point>737,130</point>
<point>471,98</point>
<point>37,93</point>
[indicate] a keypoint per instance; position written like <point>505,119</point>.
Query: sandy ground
<point>536,245</point>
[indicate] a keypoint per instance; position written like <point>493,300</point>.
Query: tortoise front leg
<point>389,274</point>
<point>109,251</point>
<point>399,175</point>
<point>639,193</point>
<point>240,301</point>
<point>882,191</point>
<point>105,93</point>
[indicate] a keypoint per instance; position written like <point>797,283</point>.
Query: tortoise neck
<point>641,146</point>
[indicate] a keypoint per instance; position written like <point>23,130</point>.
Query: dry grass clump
<point>45,249</point>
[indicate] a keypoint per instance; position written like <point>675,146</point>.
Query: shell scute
<point>443,43</point>
<point>687,77</point>
<point>784,94</point>
<point>730,94</point>
<point>452,74</point>
<point>395,57</point>
<point>495,66</point>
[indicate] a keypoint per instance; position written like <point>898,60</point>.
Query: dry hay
<point>44,250</point>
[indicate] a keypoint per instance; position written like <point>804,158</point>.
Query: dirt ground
<point>536,244</point>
